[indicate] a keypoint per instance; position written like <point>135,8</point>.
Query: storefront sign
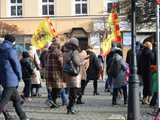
<point>127,38</point>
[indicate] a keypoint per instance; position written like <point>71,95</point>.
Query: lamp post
<point>133,98</point>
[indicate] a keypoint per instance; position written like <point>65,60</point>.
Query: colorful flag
<point>44,34</point>
<point>106,45</point>
<point>113,24</point>
<point>114,35</point>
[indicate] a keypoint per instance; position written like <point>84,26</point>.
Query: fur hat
<point>74,41</point>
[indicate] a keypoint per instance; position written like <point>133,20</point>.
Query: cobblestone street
<point>95,108</point>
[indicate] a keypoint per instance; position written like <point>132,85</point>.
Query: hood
<point>55,45</point>
<point>117,56</point>
<point>6,45</point>
<point>74,41</point>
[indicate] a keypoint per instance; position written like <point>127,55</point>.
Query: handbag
<point>71,68</point>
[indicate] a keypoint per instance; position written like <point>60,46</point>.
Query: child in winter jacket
<point>27,73</point>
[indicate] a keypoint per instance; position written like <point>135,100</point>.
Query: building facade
<point>83,19</point>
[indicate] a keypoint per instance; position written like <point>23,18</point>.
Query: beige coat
<point>72,81</point>
<point>84,64</point>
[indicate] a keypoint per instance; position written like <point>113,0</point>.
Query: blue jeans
<point>64,96</point>
<point>108,82</point>
<point>49,94</point>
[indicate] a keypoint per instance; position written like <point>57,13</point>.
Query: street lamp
<point>133,98</point>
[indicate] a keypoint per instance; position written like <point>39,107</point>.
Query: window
<point>15,8</point>
<point>109,4</point>
<point>81,7</point>
<point>47,7</point>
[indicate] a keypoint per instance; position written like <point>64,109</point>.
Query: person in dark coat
<point>27,73</point>
<point>92,71</point>
<point>109,58</point>
<point>117,72</point>
<point>10,75</point>
<point>138,53</point>
<point>71,49</point>
<point>146,61</point>
<point>129,59</point>
<point>54,65</point>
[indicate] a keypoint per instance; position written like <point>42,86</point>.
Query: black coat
<point>146,60</point>
<point>94,67</point>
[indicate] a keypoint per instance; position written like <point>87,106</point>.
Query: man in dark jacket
<point>10,75</point>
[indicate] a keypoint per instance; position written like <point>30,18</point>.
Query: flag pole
<point>158,53</point>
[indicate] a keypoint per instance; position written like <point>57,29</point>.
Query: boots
<point>71,110</point>
<point>79,100</point>
<point>54,105</point>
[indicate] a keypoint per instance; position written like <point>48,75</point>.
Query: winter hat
<point>56,42</point>
<point>9,37</point>
<point>25,54</point>
<point>74,41</point>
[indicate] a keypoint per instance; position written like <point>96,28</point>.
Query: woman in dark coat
<point>71,49</point>
<point>92,71</point>
<point>146,60</point>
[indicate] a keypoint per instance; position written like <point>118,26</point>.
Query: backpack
<point>115,67</point>
<point>27,68</point>
<point>71,68</point>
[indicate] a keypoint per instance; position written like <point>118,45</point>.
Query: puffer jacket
<point>10,68</point>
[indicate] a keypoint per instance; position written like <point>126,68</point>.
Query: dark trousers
<point>115,94</point>
<point>37,87</point>
<point>55,94</point>
<point>154,99</point>
<point>94,85</point>
<point>11,93</point>
<point>5,113</point>
<point>72,97</point>
<point>27,87</point>
<point>81,90</point>
<point>108,82</point>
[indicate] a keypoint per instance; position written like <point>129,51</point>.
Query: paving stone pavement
<point>95,108</point>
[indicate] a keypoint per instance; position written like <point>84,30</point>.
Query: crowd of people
<point>67,70</point>
<point>119,70</point>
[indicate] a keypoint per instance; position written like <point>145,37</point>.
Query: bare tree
<point>7,28</point>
